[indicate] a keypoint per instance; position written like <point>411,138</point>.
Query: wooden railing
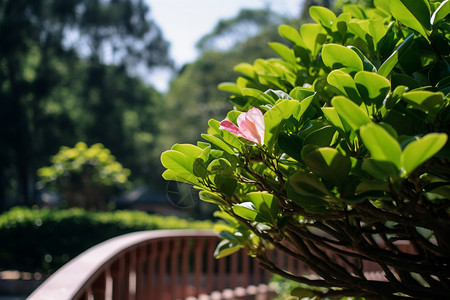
<point>166,265</point>
<point>162,264</point>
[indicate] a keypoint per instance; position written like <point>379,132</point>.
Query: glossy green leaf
<point>274,119</point>
<point>220,166</point>
<point>188,149</point>
<point>336,56</point>
<point>232,140</point>
<point>367,185</point>
<point>199,168</point>
<point>229,87</point>
<point>308,184</point>
<point>225,248</point>
<point>419,151</point>
<point>377,30</point>
<point>246,210</point>
<point>181,177</point>
<point>382,4</point>
<point>225,183</point>
<point>306,201</point>
<point>359,28</point>
<point>441,12</point>
<point>350,112</point>
<point>370,31</point>
<point>345,84</point>
<point>381,145</point>
<point>429,102</point>
<point>341,23</point>
<point>218,142</point>
<point>311,37</point>
<point>322,16</point>
<point>329,164</point>
<point>214,126</point>
<point>257,94</point>
<point>331,114</point>
<point>305,104</point>
<point>372,87</point>
<point>355,10</point>
<point>177,161</point>
<point>291,144</point>
<point>232,115</point>
<point>393,59</point>
<point>303,54</point>
<point>204,155</point>
<point>367,64</point>
<point>321,137</point>
<point>284,52</point>
<point>278,94</point>
<point>291,34</point>
<point>266,205</point>
<point>380,169</point>
<point>300,93</point>
<point>246,69</point>
<point>395,96</point>
<point>412,13</point>
<point>212,198</point>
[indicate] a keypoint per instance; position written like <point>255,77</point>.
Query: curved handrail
<point>163,265</point>
<point>148,265</point>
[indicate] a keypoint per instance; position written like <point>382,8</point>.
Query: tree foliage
<point>84,176</point>
<point>65,73</point>
<point>347,156</point>
<point>193,96</point>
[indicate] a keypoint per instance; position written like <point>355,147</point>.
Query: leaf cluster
<point>356,154</point>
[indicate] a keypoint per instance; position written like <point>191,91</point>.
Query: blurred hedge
<point>42,240</point>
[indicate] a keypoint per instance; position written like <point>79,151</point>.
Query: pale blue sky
<point>184,22</point>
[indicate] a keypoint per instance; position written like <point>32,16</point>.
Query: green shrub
<point>337,150</point>
<point>84,175</point>
<point>42,240</point>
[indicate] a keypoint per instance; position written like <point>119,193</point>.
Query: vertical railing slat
<point>234,270</point>
<point>210,280</point>
<point>256,272</point>
<point>151,257</point>
<point>245,268</point>
<point>140,277</point>
<point>174,264</point>
<point>185,253</point>
<point>198,264</point>
<point>131,278</point>
<point>221,275</point>
<point>162,269</point>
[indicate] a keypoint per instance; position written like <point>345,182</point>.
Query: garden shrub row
<point>42,240</point>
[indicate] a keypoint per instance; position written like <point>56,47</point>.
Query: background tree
<point>84,176</point>
<point>193,96</point>
<point>66,75</point>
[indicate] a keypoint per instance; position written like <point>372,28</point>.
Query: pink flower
<point>250,126</point>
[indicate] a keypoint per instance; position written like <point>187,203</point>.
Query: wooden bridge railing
<point>162,264</point>
<point>166,265</point>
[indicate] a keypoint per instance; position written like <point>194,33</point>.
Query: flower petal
<point>229,126</point>
<point>250,126</point>
<point>255,116</point>
<point>249,131</point>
